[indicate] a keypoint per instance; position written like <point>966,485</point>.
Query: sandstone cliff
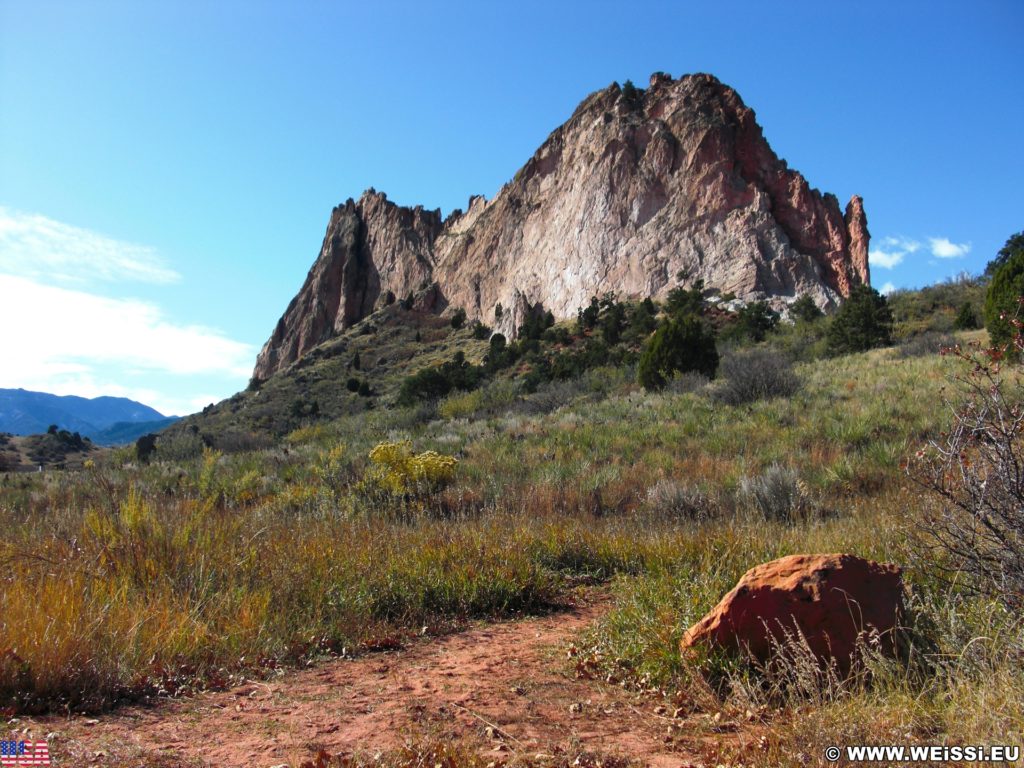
<point>635,190</point>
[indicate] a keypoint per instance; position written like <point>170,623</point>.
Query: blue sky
<point>167,169</point>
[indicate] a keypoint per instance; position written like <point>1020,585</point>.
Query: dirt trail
<point>503,688</point>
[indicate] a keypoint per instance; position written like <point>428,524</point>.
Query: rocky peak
<point>635,190</point>
<point>374,251</point>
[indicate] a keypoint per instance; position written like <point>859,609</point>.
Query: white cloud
<point>893,251</point>
<point>34,246</point>
<point>71,342</point>
<point>885,259</point>
<point>886,289</point>
<point>904,244</point>
<point>944,249</point>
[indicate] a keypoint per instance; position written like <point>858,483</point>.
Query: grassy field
<point>130,579</point>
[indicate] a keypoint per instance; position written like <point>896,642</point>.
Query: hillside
<point>310,557</point>
<point>57,449</point>
<point>364,367</point>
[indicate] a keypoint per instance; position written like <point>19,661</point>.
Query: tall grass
<point>125,580</point>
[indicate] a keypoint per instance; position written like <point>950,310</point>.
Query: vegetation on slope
<point>235,550</point>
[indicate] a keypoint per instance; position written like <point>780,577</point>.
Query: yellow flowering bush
<point>398,470</point>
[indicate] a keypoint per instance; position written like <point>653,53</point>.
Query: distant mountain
<point>104,420</point>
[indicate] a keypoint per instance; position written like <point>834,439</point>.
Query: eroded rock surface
<point>828,599</point>
<point>632,195</point>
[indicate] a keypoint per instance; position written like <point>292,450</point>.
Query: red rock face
<point>624,196</point>
<point>373,251</point>
<point>857,231</point>
<point>829,599</point>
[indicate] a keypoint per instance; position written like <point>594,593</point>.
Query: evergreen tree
<point>612,320</point>
<point>756,319</point>
<point>1002,300</point>
<point>682,301</point>
<point>586,318</point>
<point>1014,245</point>
<point>631,94</point>
<point>864,321</point>
<point>680,345</point>
<point>965,320</point>
<point>805,309</point>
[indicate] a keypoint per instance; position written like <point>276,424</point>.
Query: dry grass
<point>125,580</point>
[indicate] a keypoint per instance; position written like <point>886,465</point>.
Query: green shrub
<point>145,447</point>
<point>864,321</point>
<point>558,334</point>
<point>682,301</point>
<point>437,381</point>
<point>612,320</point>
<point>458,318</point>
<point>302,408</point>
<point>680,345</point>
<point>535,323</point>
<point>586,317</point>
<point>641,321</point>
<point>805,309</point>
<point>935,307</point>
<point>632,95</point>
<point>1002,299</point>
<point>1015,244</point>
<point>755,320</point>
<point>965,320</point>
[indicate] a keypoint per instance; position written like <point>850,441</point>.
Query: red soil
<point>505,690</point>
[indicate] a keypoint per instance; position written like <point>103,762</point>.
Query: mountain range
<point>104,420</point>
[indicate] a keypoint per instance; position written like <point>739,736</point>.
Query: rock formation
<point>828,599</point>
<point>637,192</point>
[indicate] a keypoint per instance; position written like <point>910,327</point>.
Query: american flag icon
<point>23,753</point>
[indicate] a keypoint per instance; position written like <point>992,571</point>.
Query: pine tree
<point>864,321</point>
<point>805,309</point>
<point>680,345</point>
<point>1002,300</point>
<point>965,320</point>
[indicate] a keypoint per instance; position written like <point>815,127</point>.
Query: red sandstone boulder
<point>829,599</point>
